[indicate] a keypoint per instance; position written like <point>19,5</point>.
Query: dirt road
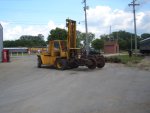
<point>113,89</point>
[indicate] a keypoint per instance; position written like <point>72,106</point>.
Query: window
<point>56,45</point>
<point>64,45</point>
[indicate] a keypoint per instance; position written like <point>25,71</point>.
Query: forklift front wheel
<point>61,64</point>
<point>39,62</point>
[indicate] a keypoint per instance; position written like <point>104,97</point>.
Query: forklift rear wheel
<point>100,62</point>
<point>93,64</point>
<point>73,65</point>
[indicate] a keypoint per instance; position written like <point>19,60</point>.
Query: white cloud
<point>13,32</point>
<point>51,25</point>
<point>17,31</point>
<point>100,19</point>
<point>106,17</point>
<point>4,23</point>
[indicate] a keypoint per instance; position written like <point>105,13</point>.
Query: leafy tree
<point>57,34</point>
<point>104,37</point>
<point>97,44</point>
<point>123,44</point>
<point>81,38</point>
<point>61,34</point>
<point>9,43</point>
<point>31,41</point>
<point>123,38</point>
<point>26,41</point>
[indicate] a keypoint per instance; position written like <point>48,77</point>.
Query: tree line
<point>124,39</point>
<point>26,41</point>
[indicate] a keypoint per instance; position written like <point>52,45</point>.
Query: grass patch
<point>125,59</point>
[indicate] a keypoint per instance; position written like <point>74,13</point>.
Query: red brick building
<point>111,47</point>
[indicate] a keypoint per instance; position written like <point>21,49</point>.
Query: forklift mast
<point>71,37</point>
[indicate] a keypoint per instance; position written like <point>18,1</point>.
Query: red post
<point>5,55</point>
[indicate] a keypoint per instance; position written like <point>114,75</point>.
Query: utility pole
<point>86,28</point>
<point>110,34</point>
<point>118,42</point>
<point>131,42</point>
<point>134,16</point>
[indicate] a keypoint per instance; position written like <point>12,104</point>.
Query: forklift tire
<point>93,65</point>
<point>73,65</point>
<point>61,64</point>
<point>100,62</point>
<point>39,62</point>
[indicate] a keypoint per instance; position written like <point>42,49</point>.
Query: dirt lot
<point>113,89</point>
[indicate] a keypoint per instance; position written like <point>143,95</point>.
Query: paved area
<point>113,89</point>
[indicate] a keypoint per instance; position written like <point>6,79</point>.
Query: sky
<point>33,17</point>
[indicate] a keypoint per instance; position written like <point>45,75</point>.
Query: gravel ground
<point>113,89</point>
<point>145,63</point>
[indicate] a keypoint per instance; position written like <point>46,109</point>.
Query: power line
<point>133,4</point>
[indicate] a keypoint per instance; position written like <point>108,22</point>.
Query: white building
<point>1,41</point>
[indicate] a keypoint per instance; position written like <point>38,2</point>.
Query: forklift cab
<point>58,48</point>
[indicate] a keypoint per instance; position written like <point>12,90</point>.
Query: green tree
<point>79,39</point>
<point>57,34</point>
<point>123,38</point>
<point>104,37</point>
<point>97,44</point>
<point>26,41</point>
<point>31,41</point>
<point>82,38</point>
<point>9,43</point>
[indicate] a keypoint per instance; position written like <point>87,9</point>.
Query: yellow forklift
<point>63,54</point>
